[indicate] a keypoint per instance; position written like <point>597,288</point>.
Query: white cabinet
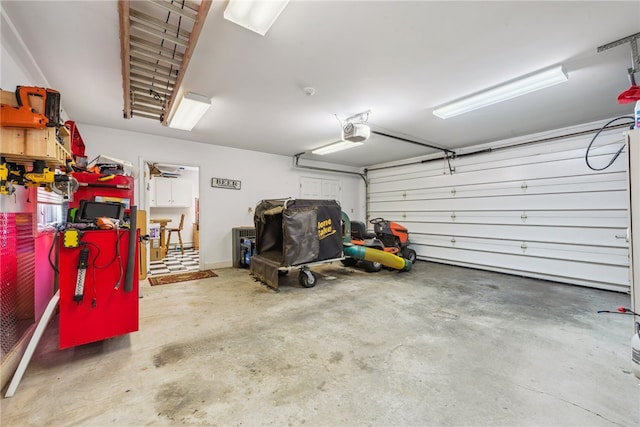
<point>170,193</point>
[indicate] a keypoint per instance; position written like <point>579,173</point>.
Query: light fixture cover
<point>335,147</point>
<point>511,89</point>
<point>254,15</point>
<point>189,112</point>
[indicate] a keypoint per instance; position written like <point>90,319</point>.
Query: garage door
<point>535,210</point>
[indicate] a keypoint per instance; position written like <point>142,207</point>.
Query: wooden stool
<point>177,230</point>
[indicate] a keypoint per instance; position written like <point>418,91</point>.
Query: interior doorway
<point>172,194</point>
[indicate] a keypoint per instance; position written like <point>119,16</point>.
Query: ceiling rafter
<point>157,39</point>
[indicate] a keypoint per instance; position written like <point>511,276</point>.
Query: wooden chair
<point>177,230</point>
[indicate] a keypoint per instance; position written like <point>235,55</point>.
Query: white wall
<point>263,176</point>
<point>17,66</point>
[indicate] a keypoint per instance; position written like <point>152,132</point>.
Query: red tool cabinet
<point>106,309</point>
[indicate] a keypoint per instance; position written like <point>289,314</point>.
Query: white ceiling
<point>399,59</point>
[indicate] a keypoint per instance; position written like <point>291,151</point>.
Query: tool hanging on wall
<point>64,185</point>
<point>40,176</point>
<point>6,185</point>
<point>25,115</point>
<point>83,263</point>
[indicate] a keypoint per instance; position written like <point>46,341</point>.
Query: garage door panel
<point>499,189</point>
<point>434,165</point>
<point>575,235</point>
<point>610,256</point>
<point>593,200</point>
<point>596,275</point>
<point>501,159</point>
<point>596,218</point>
<point>501,177</point>
<point>570,251</point>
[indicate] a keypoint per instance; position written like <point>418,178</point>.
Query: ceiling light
<point>190,110</point>
<point>335,147</point>
<point>254,15</point>
<point>511,89</point>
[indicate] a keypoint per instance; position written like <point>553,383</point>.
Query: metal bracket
<point>635,57</point>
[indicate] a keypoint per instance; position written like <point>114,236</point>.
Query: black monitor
<point>89,211</point>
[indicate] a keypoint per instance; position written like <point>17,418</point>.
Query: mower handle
<point>376,220</point>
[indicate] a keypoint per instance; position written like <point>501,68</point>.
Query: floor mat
<point>175,262</point>
<point>181,277</point>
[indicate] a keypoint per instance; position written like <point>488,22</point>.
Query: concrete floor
<point>439,346</point>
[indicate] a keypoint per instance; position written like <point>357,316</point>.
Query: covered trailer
<point>296,233</point>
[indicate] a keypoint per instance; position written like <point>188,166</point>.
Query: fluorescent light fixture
<point>335,147</point>
<point>511,89</point>
<point>254,15</point>
<point>190,110</point>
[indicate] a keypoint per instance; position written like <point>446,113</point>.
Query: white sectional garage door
<point>535,210</point>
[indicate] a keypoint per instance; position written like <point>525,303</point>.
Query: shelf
<point>21,145</point>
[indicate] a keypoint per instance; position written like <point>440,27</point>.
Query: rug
<point>181,277</point>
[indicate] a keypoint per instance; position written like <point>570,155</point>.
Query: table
<point>163,225</point>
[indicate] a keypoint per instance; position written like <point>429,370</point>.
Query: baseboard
<point>214,265</point>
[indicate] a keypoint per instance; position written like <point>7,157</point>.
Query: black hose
<point>131,259</point>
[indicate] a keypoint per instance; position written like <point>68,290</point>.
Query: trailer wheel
<point>307,279</point>
<point>409,254</point>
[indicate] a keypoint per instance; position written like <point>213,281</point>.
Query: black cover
<point>298,231</point>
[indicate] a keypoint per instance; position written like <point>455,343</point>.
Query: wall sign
<point>232,184</point>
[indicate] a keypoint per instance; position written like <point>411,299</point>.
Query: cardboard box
<point>156,254</point>
<point>196,236</point>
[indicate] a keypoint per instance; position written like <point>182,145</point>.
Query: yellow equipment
<point>5,185</point>
<point>40,176</point>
